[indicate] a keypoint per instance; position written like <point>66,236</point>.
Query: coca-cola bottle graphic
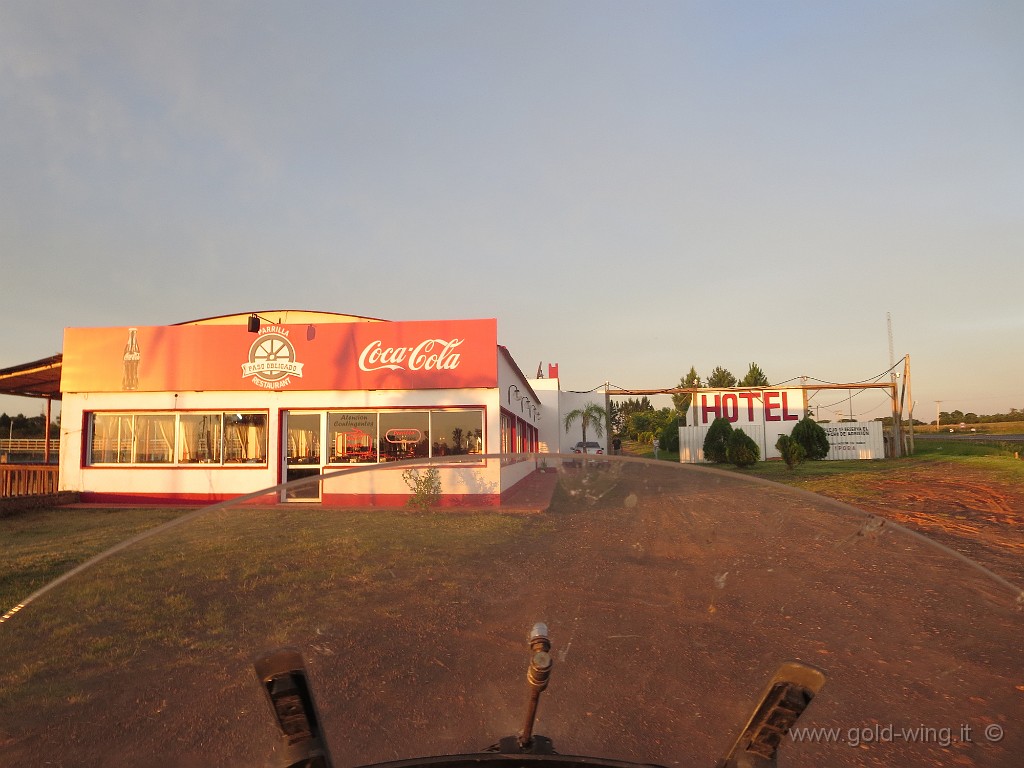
<point>132,355</point>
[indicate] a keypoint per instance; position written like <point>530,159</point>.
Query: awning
<point>36,379</point>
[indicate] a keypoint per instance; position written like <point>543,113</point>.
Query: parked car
<point>587,447</point>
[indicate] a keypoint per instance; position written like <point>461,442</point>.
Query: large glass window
<point>360,437</point>
<point>456,433</point>
<point>111,438</point>
<point>353,437</point>
<point>199,438</point>
<point>154,438</point>
<point>404,435</point>
<point>184,438</point>
<point>245,438</point>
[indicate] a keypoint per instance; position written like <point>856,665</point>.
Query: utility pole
<point>938,404</point>
<point>910,397</point>
<point>608,416</point>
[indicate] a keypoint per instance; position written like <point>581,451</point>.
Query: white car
<point>587,447</point>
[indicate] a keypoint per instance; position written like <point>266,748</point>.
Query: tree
<point>682,400</point>
<point>720,378</point>
<point>616,418</point>
<point>811,437</point>
<point>741,449</point>
<point>716,441</point>
<point>670,435</point>
<point>591,416</point>
<point>755,377</point>
<point>632,413</point>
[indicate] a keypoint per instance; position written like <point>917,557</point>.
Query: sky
<point>630,188</point>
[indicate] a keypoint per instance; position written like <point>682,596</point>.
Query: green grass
<point>40,545</point>
<point>862,481</point>
<point>1002,459</point>
<point>179,594</point>
<point>989,428</point>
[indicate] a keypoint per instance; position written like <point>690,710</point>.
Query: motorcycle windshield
<point>671,595</point>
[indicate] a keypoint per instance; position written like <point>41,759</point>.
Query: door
<point>302,437</point>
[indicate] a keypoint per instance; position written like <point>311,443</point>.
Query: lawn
<point>40,545</point>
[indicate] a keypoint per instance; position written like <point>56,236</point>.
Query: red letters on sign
<point>772,405</point>
<point>786,415</point>
<point>704,408</point>
<point>730,405</point>
<point>750,397</point>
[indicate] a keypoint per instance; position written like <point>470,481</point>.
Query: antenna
<point>892,353</point>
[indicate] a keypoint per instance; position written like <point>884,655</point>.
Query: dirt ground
<point>671,595</point>
<point>958,506</point>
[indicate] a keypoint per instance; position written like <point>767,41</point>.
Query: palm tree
<point>592,415</point>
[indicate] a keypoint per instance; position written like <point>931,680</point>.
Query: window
<point>361,437</point>
<point>182,438</point>
<point>517,435</point>
<point>404,435</point>
<point>245,438</point>
<point>507,432</point>
<point>111,439</point>
<point>456,433</point>
<point>353,437</point>
<point>200,438</point>
<point>154,438</point>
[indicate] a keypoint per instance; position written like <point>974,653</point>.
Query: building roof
<point>40,378</point>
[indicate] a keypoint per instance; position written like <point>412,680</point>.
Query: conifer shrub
<point>742,450</point>
<point>811,437</point>
<point>716,441</point>
<point>792,452</point>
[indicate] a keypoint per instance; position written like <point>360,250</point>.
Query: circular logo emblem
<point>272,357</point>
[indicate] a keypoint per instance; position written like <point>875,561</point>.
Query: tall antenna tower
<point>892,352</point>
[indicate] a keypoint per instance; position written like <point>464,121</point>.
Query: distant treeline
<point>26,426</point>
<point>959,417</point>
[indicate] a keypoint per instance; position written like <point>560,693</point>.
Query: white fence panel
<point>691,444</point>
<point>847,441</point>
<point>691,441</point>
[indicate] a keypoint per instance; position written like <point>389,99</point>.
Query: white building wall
<point>227,480</point>
<point>556,405</point>
<point>550,431</point>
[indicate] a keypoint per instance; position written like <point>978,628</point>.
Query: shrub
<point>792,452</point>
<point>742,449</point>
<point>670,436</point>
<point>425,486</point>
<point>811,437</point>
<point>716,447</point>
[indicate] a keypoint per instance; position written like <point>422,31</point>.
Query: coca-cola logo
<point>428,355</point>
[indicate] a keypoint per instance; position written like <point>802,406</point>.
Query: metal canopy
<point>40,378</point>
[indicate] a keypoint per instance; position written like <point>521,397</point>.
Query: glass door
<point>303,458</point>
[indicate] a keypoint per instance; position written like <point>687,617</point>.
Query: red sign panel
<point>445,354</point>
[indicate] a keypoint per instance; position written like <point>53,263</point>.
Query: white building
<point>225,406</point>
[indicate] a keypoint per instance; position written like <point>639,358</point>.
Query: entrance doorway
<point>302,439</point>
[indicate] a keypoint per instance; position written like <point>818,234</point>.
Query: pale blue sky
<point>629,188</point>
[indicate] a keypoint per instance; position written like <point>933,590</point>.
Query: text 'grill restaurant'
<point>226,406</point>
